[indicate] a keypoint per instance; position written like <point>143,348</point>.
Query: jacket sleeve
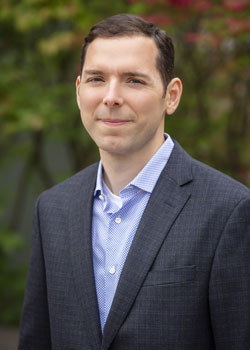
<point>35,324</point>
<point>229,293</point>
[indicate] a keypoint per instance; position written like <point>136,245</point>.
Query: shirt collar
<point>148,176</point>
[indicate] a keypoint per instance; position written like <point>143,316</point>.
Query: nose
<point>113,96</point>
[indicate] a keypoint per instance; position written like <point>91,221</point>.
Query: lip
<point>114,122</point>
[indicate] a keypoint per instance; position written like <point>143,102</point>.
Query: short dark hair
<point>128,25</point>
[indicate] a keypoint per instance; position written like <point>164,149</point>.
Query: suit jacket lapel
<point>81,252</point>
<point>166,202</point>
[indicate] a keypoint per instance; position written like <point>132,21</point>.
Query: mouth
<point>114,122</point>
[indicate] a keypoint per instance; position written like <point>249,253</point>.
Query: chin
<point>112,145</point>
<point>114,149</point>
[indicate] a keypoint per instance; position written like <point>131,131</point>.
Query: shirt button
<point>101,197</point>
<point>112,270</point>
<point>118,220</point>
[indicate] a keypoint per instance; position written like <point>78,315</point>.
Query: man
<point>150,249</point>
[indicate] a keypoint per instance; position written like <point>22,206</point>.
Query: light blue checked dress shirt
<point>115,221</point>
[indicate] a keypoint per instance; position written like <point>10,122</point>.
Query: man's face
<point>120,95</point>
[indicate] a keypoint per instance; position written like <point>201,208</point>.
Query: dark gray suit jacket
<point>186,280</point>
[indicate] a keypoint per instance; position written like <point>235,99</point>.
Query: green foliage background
<point>42,140</point>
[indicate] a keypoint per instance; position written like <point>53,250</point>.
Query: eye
<point>95,80</point>
<point>136,81</point>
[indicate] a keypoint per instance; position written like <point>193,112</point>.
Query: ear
<point>78,81</point>
<point>173,95</point>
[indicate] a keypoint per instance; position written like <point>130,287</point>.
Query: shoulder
<point>208,184</point>
<point>217,184</point>
<point>82,182</point>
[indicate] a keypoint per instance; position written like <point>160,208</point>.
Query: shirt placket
<point>112,260</point>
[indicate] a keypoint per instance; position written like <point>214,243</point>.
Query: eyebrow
<point>136,74</point>
<point>92,72</point>
<point>126,74</point>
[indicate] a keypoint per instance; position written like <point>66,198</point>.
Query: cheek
<point>150,107</point>
<point>139,102</point>
<point>145,100</point>
<point>88,101</point>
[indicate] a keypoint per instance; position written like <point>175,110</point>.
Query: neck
<point>121,169</point>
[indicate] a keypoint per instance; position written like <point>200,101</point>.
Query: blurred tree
<point>40,52</point>
<point>212,40</point>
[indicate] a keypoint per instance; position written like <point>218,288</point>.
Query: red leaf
<point>193,37</point>
<point>235,5</point>
<point>202,5</point>
<point>181,3</point>
<point>159,19</point>
<point>238,25</point>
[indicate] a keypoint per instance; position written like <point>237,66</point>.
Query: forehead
<point>133,52</point>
